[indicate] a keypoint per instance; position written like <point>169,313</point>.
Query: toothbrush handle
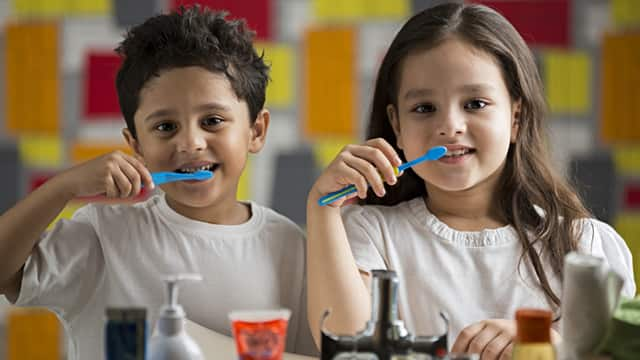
<point>333,196</point>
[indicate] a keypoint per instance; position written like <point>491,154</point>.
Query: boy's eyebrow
<point>469,88</point>
<point>204,107</point>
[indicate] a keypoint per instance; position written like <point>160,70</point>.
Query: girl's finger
<point>349,175</point>
<point>466,336</point>
<point>368,171</point>
<point>375,156</point>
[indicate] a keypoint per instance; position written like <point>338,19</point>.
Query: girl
<point>478,233</point>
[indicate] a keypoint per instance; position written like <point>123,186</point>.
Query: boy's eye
<point>475,105</point>
<point>212,121</point>
<point>424,108</point>
<point>165,127</point>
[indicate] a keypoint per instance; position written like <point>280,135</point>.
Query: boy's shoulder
<point>273,221</point>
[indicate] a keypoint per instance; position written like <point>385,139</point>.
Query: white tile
<point>569,138</point>
<point>80,35</point>
<point>373,40</point>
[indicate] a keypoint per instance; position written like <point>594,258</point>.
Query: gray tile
<point>128,13</point>
<point>595,178</point>
<point>10,182</point>
<point>419,5</point>
<point>295,173</point>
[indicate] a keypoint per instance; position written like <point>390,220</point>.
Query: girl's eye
<point>424,108</point>
<point>475,105</point>
<point>165,127</point>
<point>212,121</point>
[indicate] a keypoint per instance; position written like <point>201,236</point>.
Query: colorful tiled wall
<point>59,105</point>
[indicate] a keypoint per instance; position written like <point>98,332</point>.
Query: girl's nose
<point>453,124</point>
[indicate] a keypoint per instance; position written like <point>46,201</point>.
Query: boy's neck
<point>229,212</point>
<point>473,209</point>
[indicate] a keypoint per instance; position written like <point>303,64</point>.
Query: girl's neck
<point>473,209</point>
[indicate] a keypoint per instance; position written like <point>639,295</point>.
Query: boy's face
<point>190,118</point>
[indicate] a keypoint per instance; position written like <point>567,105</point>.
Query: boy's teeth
<point>191,170</point>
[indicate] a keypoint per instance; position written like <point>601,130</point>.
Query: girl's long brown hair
<point>528,180</point>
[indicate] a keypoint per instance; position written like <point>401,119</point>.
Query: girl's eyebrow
<point>467,88</point>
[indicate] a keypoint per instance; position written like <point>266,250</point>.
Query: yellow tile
<point>280,91</point>
<point>360,10</point>
<point>28,327</point>
<point>628,226</point>
<point>326,149</point>
<point>567,77</point>
<point>86,151</point>
<point>331,90</point>
<point>627,159</point>
<point>67,212</point>
<point>41,151</point>
<point>625,12</point>
<point>244,184</point>
<point>61,7</point>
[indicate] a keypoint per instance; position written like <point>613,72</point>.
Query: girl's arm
<point>115,174</point>
<point>334,280</point>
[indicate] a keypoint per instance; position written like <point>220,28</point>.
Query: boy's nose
<point>191,141</point>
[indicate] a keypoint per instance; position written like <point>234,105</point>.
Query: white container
<point>170,341</point>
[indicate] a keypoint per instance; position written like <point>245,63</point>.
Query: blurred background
<point>59,106</point>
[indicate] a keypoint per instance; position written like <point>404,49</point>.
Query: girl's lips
<point>455,160</point>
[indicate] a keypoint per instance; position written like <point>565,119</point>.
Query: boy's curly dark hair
<point>192,36</point>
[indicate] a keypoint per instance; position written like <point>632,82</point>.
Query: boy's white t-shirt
<point>118,255</point>
<point>471,276</point>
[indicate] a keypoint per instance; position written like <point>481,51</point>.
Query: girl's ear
<point>133,144</point>
<point>515,119</point>
<point>258,131</point>
<point>392,115</point>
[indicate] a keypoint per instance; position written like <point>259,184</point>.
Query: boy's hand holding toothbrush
<point>371,163</point>
<point>115,175</point>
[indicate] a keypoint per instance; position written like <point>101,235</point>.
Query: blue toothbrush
<point>434,153</point>
<point>169,176</point>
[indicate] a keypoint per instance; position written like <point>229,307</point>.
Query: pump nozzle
<point>172,314</point>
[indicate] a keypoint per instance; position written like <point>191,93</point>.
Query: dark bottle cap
<point>534,325</point>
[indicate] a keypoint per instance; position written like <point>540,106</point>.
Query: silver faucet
<point>384,334</point>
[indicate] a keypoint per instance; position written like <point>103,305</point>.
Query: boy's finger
<point>145,175</point>
<point>134,177</point>
<point>122,183</point>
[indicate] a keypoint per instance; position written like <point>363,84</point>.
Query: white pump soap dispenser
<point>170,341</point>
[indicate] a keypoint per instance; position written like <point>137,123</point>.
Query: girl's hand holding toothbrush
<point>369,164</point>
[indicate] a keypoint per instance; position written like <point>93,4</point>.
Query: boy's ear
<point>395,123</point>
<point>132,142</point>
<point>515,119</point>
<point>258,131</point>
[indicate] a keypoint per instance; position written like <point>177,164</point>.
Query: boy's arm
<point>20,229</point>
<point>116,175</point>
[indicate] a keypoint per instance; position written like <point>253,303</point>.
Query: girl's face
<point>454,95</point>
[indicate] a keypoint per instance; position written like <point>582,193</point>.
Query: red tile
<point>257,12</point>
<point>101,99</point>
<point>540,22</point>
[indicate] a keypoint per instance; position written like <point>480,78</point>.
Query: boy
<point>192,90</point>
